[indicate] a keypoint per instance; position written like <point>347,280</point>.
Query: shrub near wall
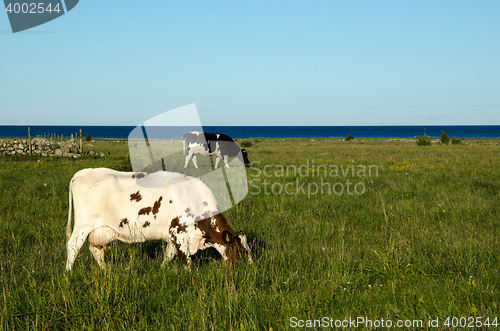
<point>246,144</point>
<point>423,140</point>
<point>349,137</point>
<point>444,138</point>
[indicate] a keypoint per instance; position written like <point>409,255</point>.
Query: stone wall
<point>42,147</point>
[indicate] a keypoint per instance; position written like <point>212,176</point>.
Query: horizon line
<point>258,125</point>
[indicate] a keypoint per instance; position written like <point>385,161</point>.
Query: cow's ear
<point>227,237</point>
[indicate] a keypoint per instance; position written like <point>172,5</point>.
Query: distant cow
<point>110,205</point>
<point>217,144</point>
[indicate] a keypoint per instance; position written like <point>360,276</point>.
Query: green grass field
<point>417,238</point>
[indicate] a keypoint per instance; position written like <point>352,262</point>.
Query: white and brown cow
<point>111,205</point>
<point>218,144</point>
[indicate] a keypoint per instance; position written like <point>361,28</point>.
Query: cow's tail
<point>70,202</point>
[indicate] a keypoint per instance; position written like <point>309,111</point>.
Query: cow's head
<point>217,233</point>
<point>236,246</point>
<point>245,156</point>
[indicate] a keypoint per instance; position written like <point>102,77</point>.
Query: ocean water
<point>460,131</point>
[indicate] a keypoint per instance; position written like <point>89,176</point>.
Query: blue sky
<point>256,63</point>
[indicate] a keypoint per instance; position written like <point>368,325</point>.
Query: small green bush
<point>246,143</point>
<point>423,140</point>
<point>88,138</point>
<point>455,141</point>
<point>349,137</point>
<point>444,138</point>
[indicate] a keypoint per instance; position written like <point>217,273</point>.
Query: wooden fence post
<point>29,138</point>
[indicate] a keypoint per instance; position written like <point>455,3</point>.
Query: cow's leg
<point>169,253</point>
<point>100,237</point>
<point>74,245</point>
<point>191,156</point>
<point>188,157</point>
<point>181,244</point>
<point>194,161</point>
<point>98,254</point>
<point>185,258</point>
<point>217,159</point>
<point>226,161</point>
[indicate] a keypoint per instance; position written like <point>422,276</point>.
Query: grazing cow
<point>218,144</point>
<point>111,205</point>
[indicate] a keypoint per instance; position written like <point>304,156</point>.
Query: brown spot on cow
<point>146,224</point>
<point>205,203</point>
<point>123,221</point>
<point>177,224</point>
<point>136,197</point>
<point>170,201</point>
<point>156,206</point>
<point>138,175</point>
<point>175,228</point>
<point>144,211</point>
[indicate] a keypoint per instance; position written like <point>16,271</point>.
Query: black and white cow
<point>110,205</point>
<point>217,144</point>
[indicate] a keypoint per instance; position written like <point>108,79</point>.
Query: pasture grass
<point>420,242</point>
